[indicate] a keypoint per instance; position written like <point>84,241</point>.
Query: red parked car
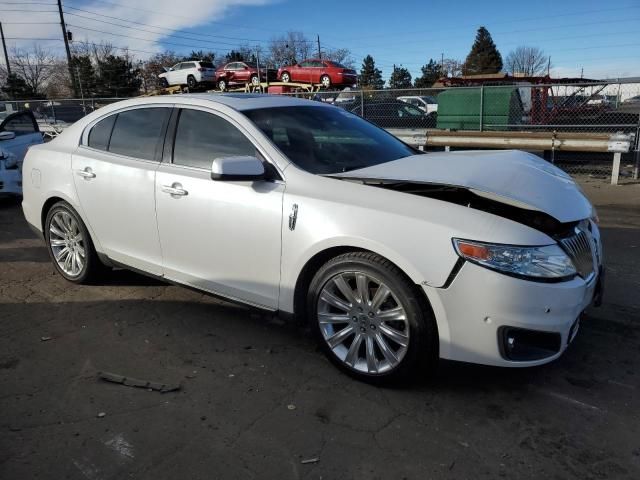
<point>324,72</point>
<point>241,73</point>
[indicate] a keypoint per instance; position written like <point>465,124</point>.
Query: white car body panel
<point>517,178</point>
<point>234,239</point>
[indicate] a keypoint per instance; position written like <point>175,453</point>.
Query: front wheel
<point>371,321</point>
<point>164,83</point>
<point>255,81</point>
<point>222,85</point>
<point>70,246</point>
<point>285,77</point>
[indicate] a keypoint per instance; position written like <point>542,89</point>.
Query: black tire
<point>93,268</point>
<point>164,83</point>
<point>191,82</point>
<point>222,85</point>
<point>285,77</point>
<point>325,81</point>
<point>422,351</point>
<point>254,80</point>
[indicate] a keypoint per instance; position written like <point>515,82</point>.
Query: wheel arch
<point>312,265</point>
<point>58,197</point>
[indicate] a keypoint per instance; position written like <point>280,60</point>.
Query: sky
<point>594,38</point>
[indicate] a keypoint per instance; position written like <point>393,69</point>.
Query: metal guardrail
<point>538,141</point>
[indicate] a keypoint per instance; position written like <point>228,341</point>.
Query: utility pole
<point>4,47</point>
<point>442,64</point>
<point>549,66</point>
<point>319,51</point>
<point>66,46</point>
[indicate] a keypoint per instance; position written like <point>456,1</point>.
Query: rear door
<point>114,173</point>
<point>24,126</point>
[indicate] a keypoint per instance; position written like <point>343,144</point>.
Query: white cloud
<point>161,13</point>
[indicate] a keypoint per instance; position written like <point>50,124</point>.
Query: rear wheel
<point>70,246</point>
<point>325,81</point>
<point>370,319</point>
<point>285,77</point>
<point>222,85</point>
<point>255,81</point>
<point>191,82</point>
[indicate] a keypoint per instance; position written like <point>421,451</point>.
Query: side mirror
<point>7,135</point>
<point>240,168</point>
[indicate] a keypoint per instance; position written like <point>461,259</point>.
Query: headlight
<point>535,263</point>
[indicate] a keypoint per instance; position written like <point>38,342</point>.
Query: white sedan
<point>395,257</point>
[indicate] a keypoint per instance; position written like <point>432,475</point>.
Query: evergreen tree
<point>84,75</point>
<point>431,72</point>
<point>117,77</point>
<point>370,76</point>
<point>235,56</point>
<point>15,87</point>
<point>400,78</point>
<point>484,57</point>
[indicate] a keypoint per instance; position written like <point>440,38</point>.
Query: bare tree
<point>529,61</point>
<point>339,55</point>
<point>290,48</point>
<point>33,66</point>
<point>451,67</point>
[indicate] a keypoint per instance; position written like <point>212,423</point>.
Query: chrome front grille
<point>580,248</point>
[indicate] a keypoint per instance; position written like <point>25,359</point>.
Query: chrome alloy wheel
<point>67,243</point>
<point>363,322</point>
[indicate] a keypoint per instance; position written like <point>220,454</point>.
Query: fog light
<point>522,345</point>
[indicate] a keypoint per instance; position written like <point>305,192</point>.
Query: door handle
<point>86,173</point>
<point>175,189</point>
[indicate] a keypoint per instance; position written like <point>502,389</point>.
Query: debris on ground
<point>291,406</point>
<point>45,339</point>
<point>310,460</point>
<point>134,382</point>
<point>101,415</point>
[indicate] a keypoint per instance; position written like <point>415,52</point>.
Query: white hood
<point>513,177</point>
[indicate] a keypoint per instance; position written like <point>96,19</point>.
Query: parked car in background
<point>394,114</point>
<point>426,103</point>
<point>394,257</point>
<point>241,73</point>
<point>192,73</point>
<point>323,72</point>
<point>18,131</point>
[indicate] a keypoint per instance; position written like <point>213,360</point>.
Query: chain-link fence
<point>551,110</point>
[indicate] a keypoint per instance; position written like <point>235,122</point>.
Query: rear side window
<point>139,133</point>
<point>101,132</point>
<point>206,65</point>
<point>201,137</point>
<point>187,65</point>
<point>21,123</point>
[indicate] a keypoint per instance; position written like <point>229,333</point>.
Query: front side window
<point>139,133</point>
<point>201,137</point>
<point>326,140</point>
<point>100,133</point>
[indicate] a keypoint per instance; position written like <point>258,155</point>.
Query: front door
<point>219,236</point>
<point>24,126</point>
<point>114,174</point>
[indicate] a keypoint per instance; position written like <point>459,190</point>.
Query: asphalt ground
<point>257,399</point>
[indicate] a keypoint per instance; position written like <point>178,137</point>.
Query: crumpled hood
<point>513,177</point>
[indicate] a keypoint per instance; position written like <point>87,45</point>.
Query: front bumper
<point>477,308</point>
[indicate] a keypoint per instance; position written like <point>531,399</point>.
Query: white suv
<point>427,104</point>
<point>189,73</point>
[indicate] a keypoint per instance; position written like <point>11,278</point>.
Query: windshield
<point>324,140</point>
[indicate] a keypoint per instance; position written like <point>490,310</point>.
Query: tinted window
<point>306,64</point>
<point>327,140</point>
<point>201,137</point>
<point>138,133</point>
<point>187,65</point>
<point>20,124</point>
<point>100,133</point>
<point>206,65</point>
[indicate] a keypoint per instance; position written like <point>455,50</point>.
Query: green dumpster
<point>459,108</point>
